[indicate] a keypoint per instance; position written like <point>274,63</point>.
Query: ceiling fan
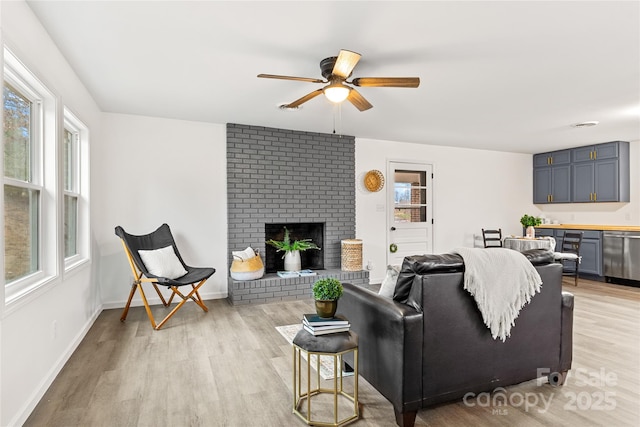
<point>336,70</point>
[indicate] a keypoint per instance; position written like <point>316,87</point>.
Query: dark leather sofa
<point>429,344</point>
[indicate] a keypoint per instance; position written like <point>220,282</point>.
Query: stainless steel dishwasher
<point>621,254</point>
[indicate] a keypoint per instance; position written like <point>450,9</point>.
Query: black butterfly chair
<point>158,240</point>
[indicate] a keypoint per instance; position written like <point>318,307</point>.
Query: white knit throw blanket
<point>502,281</point>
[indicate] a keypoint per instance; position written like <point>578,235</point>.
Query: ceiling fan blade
<point>304,99</point>
<point>358,100</point>
<point>386,82</point>
<point>345,63</point>
<point>300,79</point>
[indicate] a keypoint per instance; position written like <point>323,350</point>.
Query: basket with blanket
<point>246,265</point>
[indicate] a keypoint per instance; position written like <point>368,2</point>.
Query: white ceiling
<point>509,76</point>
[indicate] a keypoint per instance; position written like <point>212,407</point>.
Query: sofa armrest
<point>566,346</point>
<point>390,344</point>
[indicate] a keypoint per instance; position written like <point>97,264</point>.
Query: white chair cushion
<point>163,262</point>
<point>566,255</point>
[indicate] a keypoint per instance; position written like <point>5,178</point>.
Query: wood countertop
<point>592,227</point>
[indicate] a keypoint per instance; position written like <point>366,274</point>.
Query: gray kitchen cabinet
<point>608,150</point>
<point>561,157</point>
<point>542,232</point>
<point>600,173</point>
<point>594,173</point>
<point>552,177</point>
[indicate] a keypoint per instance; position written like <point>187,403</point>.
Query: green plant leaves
<point>327,289</point>
<point>530,220</point>
<point>286,245</point>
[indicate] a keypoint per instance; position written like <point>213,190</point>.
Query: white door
<point>410,216</point>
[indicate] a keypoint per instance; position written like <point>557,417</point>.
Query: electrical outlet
<point>628,216</point>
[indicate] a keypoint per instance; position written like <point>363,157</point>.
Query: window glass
<point>70,226</point>
<point>20,232</point>
<point>410,196</point>
<point>68,160</point>
<point>17,134</point>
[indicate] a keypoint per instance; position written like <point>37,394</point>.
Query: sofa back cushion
<point>421,265</point>
<point>445,263</point>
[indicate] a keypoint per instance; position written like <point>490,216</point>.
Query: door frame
<point>390,198</point>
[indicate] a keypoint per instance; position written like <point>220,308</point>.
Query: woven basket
<point>250,269</point>
<point>351,254</point>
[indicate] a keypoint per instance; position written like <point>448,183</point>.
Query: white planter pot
<point>292,261</point>
<point>531,232</point>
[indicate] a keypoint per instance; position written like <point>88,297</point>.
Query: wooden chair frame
<point>141,277</point>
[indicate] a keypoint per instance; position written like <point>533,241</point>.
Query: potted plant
<point>529,222</point>
<point>292,250</point>
<point>326,292</point>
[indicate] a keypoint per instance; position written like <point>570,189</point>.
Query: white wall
<point>472,189</point>
<point>32,351</point>
<point>151,171</point>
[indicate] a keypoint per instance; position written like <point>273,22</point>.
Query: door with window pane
<point>410,213</point>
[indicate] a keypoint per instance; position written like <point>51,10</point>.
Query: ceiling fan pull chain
<point>340,119</point>
<point>337,111</point>
<point>334,118</point>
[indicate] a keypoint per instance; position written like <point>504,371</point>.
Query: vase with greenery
<point>291,250</point>
<point>326,292</point>
<point>530,222</point>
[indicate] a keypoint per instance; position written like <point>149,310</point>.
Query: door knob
<point>393,229</point>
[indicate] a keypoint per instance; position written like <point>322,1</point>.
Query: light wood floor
<point>230,367</point>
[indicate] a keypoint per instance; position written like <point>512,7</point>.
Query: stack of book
<point>317,325</point>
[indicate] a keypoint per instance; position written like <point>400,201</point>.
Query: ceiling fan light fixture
<point>336,92</point>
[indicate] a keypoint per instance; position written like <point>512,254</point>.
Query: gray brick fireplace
<point>278,176</point>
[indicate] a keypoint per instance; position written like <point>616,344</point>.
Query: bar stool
<point>334,345</point>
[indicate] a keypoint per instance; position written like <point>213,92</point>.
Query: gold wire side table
<point>334,345</point>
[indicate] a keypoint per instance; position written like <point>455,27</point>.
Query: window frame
<point>33,182</point>
<point>43,176</point>
<point>81,178</point>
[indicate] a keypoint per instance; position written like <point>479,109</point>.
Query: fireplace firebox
<point>312,259</point>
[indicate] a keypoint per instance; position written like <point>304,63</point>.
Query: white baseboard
<point>153,299</point>
<point>31,403</point>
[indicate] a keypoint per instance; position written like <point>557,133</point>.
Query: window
<point>29,190</point>
<point>410,196</point>
<point>75,206</point>
<point>22,188</point>
<point>70,193</point>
